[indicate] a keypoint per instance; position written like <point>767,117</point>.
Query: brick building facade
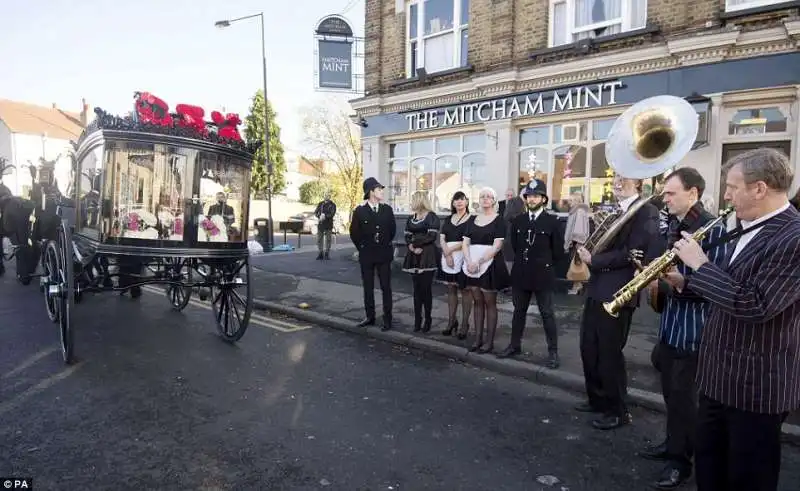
<point>462,94</point>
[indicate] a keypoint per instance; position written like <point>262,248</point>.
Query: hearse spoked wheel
<point>232,298</point>
<point>178,269</point>
<point>51,267</point>
<point>65,292</point>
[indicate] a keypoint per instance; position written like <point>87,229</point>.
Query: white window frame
<point>624,20</point>
<point>751,4</point>
<point>457,32</point>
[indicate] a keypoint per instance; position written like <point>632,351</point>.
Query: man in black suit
<point>536,242</point>
<point>372,230</point>
<point>603,337</point>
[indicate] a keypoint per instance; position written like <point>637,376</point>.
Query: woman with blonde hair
<point>575,235</point>
<point>451,240</point>
<point>485,267</point>
<point>422,259</point>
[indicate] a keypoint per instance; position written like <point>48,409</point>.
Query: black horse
<point>26,235</point>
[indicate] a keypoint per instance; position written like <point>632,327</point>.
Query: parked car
<point>311,222</point>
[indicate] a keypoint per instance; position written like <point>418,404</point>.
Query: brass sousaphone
<point>648,139</point>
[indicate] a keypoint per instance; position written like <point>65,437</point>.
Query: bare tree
<point>333,144</point>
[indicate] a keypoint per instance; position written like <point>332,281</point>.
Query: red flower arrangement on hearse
<point>153,110</point>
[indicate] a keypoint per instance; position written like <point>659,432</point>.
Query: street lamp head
<point>222,24</point>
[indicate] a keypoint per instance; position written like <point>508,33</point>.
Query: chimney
<point>84,113</point>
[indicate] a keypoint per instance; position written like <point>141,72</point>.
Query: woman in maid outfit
<point>450,272</point>
<point>422,259</point>
<point>485,267</point>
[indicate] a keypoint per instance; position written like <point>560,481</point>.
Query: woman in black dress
<point>485,266</point>
<point>450,273</point>
<point>422,259</point>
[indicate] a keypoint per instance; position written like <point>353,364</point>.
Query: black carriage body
<point>147,193</point>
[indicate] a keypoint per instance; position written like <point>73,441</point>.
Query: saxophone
<point>655,269</point>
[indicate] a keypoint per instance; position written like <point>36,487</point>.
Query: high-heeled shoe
<point>475,347</point>
<point>450,328</point>
<point>486,349</point>
<point>462,334</point>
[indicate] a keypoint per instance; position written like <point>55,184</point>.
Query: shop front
<point>558,134</point>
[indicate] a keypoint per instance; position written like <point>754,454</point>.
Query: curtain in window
<point>439,53</point>
<point>638,14</point>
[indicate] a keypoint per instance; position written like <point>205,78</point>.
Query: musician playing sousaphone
<point>682,319</point>
<point>603,337</point>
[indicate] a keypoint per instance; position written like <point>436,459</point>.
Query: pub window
<point>570,158</point>
<point>734,5</point>
<point>436,35</point>
<point>440,166</point>
<point>757,121</point>
<point>573,20</point>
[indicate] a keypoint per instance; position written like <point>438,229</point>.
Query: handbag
<point>578,270</point>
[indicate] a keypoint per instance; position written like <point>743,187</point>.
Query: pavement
<point>332,294</point>
<point>158,401</point>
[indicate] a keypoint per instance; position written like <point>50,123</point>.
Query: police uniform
<point>537,243</point>
<point>372,231</point>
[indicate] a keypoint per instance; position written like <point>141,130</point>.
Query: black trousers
<point>423,294</point>
<point>737,450</point>
<point>544,300</point>
<point>384,270</point>
<point>678,369</point>
<point>602,340</point>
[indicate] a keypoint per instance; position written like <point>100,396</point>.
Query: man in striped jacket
<point>748,373</point>
<point>682,321</point>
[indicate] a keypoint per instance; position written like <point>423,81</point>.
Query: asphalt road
<point>158,401</point>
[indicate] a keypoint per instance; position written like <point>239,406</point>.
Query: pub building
<point>471,126</point>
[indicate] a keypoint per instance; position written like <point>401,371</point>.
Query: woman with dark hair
<point>450,273</point>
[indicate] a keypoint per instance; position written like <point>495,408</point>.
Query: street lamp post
<point>226,23</point>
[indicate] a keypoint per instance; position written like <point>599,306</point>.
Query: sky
<point>56,51</point>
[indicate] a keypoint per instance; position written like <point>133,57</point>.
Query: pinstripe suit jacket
<point>750,352</point>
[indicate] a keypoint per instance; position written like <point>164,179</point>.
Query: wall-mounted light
<point>702,105</point>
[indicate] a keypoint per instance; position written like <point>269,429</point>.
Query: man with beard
<point>603,337</point>
<point>536,241</point>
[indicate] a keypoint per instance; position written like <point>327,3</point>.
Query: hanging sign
<point>335,53</point>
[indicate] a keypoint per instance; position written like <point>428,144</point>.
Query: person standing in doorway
<point>422,258</point>
<point>325,212</point>
<point>537,242</point>
<point>372,231</point>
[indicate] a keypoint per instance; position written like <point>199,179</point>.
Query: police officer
<point>537,243</point>
<point>372,231</point>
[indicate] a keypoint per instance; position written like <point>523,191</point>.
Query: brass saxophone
<point>655,269</point>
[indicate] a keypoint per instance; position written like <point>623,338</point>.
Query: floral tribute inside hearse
<point>164,176</point>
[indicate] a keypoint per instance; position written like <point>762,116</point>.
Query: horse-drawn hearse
<point>153,198</point>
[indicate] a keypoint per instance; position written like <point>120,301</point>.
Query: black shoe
<point>417,325</point>
<point>655,452</point>
<point>552,361</point>
<point>509,352</point>
<point>673,476</point>
<point>369,321</point>
<point>611,421</point>
<point>450,328</point>
<point>387,324</point>
<point>488,348</point>
<point>319,257</point>
<point>426,327</point>
<point>585,407</point>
